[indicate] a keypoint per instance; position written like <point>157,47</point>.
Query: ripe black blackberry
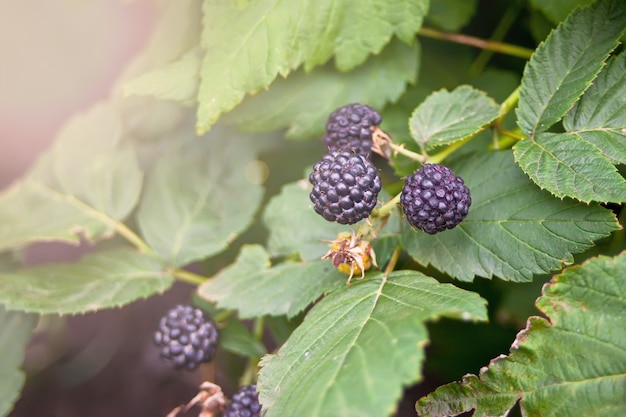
<point>434,199</point>
<point>245,403</point>
<point>345,187</point>
<point>349,128</point>
<point>186,337</point>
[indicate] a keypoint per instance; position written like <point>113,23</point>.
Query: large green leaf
<point>83,186</point>
<point>248,44</point>
<point>303,101</point>
<point>15,331</point>
<point>295,227</point>
<point>600,115</point>
<point>445,117</point>
<point>198,197</point>
<point>568,166</point>
<point>254,289</point>
<point>564,66</point>
<point>359,346</point>
<point>513,230</point>
<point>108,278</point>
<point>572,365</point>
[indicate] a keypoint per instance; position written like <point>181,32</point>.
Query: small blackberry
<point>345,187</point>
<point>349,128</point>
<point>186,337</point>
<point>245,403</point>
<point>434,199</point>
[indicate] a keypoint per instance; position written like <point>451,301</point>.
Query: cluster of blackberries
<point>187,337</point>
<point>245,403</point>
<point>346,183</point>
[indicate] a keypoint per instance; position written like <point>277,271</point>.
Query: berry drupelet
<point>245,403</point>
<point>349,128</point>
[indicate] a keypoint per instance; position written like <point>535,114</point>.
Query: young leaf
<point>176,81</point>
<point>573,364</point>
<point>16,329</point>
<point>445,117</point>
<point>568,166</point>
<point>248,45</point>
<point>198,198</point>
<point>295,227</point>
<point>564,66</point>
<point>359,346</point>
<point>108,278</point>
<point>599,117</point>
<point>254,289</point>
<point>303,101</point>
<point>513,230</point>
<point>85,185</point>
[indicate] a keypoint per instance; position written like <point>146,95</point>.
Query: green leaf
<point>85,185</point>
<point>176,81</point>
<point>600,115</point>
<point>248,44</point>
<point>295,227</point>
<point>451,15</point>
<point>513,230</point>
<point>568,166</point>
<point>16,329</point>
<point>557,10</point>
<point>237,338</point>
<point>572,365</point>
<point>359,346</point>
<point>254,289</point>
<point>445,117</point>
<point>303,101</point>
<point>564,66</point>
<point>198,197</point>
<point>108,278</point>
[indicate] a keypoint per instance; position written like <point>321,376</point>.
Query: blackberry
<point>186,337</point>
<point>434,199</point>
<point>349,128</point>
<point>245,403</point>
<point>345,187</point>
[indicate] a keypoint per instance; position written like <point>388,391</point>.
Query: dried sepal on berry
<point>351,254</point>
<point>210,398</point>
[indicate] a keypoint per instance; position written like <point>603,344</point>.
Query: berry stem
<point>188,276</point>
<point>393,261</point>
<point>250,373</point>
<point>385,209</point>
<point>440,156</point>
<point>501,47</point>
<point>409,154</point>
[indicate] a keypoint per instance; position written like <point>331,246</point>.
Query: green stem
<point>187,276</point>
<point>495,46</point>
<point>509,103</point>
<point>250,373</point>
<point>440,156</point>
<point>393,261</point>
<point>385,209</point>
<point>498,34</point>
<point>409,154</point>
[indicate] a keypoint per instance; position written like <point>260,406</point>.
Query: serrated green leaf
<point>176,81</point>
<point>85,185</point>
<point>599,117</point>
<point>108,278</point>
<point>237,338</point>
<point>451,15</point>
<point>568,166</point>
<point>254,289</point>
<point>572,365</point>
<point>16,329</point>
<point>513,230</point>
<point>445,117</point>
<point>198,197</point>
<point>302,102</point>
<point>564,66</point>
<point>359,346</point>
<point>248,45</point>
<point>295,227</point>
